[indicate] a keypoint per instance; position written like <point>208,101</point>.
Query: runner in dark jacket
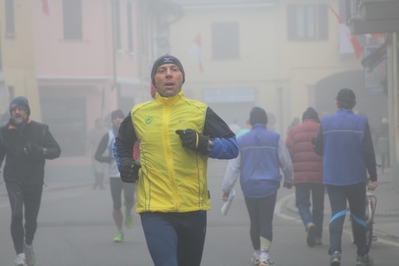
<point>26,144</point>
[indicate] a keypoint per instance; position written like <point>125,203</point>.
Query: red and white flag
<point>46,7</point>
<point>195,50</point>
<point>348,44</point>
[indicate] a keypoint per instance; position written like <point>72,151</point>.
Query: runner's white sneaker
<point>264,259</point>
<point>255,258</point>
<point>266,262</point>
<point>29,255</point>
<point>20,260</point>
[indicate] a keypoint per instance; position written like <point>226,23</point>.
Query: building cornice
<point>121,80</point>
<point>225,6</point>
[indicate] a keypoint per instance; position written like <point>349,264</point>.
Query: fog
<point>76,61</point>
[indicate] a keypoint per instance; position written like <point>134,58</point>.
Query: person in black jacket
<point>26,144</point>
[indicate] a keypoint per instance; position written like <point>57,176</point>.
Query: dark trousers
<point>20,197</point>
<point>261,212</point>
<point>175,239</point>
<point>356,196</point>
<point>303,192</point>
<point>117,185</point>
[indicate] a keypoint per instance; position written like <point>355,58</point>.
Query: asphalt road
<point>76,228</point>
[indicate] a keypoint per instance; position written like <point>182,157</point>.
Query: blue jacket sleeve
<point>224,140</point>
<point>224,148</point>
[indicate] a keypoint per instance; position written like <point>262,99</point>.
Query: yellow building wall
<point>269,62</point>
<point>18,57</point>
<point>303,64</point>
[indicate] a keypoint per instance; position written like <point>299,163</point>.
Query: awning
<point>376,57</point>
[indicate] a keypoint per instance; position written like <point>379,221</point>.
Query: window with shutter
<point>225,40</point>
<point>72,18</point>
<point>307,22</point>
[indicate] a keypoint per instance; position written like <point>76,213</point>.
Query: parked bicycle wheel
<point>371,204</point>
<point>369,234</point>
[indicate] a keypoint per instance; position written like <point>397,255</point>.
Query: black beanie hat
<point>346,96</point>
<point>310,113</point>
<point>166,59</point>
<point>117,114</point>
<point>257,116</point>
<point>21,102</point>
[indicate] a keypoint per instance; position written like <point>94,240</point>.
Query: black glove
<point>287,185</point>
<point>33,150</point>
<point>193,140</point>
<point>130,171</point>
<point>317,146</point>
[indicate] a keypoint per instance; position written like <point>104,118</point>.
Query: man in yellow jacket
<point>176,136</point>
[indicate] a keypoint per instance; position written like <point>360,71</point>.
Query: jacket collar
<point>170,100</point>
<point>14,127</point>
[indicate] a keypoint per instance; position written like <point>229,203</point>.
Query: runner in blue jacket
<point>262,154</point>
<point>344,141</point>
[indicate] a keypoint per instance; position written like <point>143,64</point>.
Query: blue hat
<point>21,102</point>
<point>166,59</point>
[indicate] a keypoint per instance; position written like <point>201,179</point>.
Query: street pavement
<point>386,220</point>
<point>76,228</point>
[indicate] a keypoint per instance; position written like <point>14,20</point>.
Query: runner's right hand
<point>372,185</point>
<point>287,185</point>
<point>130,171</point>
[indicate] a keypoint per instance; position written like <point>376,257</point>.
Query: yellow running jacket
<point>171,178</point>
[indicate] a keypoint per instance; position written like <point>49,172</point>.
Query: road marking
<point>278,210</point>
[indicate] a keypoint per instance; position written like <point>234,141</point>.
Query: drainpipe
<point>114,81</point>
<point>281,112</point>
<point>393,108</point>
<point>396,108</point>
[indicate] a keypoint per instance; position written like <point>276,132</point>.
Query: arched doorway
<point>374,106</point>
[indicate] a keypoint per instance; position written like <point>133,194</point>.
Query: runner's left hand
<point>193,140</point>
<point>287,185</point>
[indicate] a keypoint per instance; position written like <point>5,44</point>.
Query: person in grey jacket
<point>262,155</point>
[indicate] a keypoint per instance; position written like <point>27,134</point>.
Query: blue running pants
<point>175,239</point>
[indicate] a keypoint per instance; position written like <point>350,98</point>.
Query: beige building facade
<point>281,55</point>
<point>17,71</point>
